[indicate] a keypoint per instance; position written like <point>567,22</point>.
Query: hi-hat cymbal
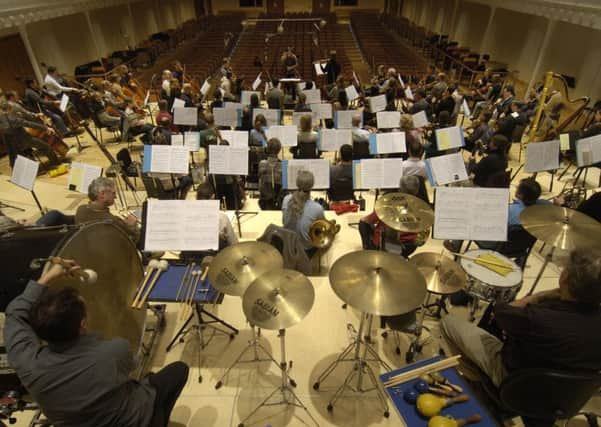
<point>404,212</point>
<point>443,275</point>
<point>235,267</point>
<point>377,282</point>
<point>278,299</point>
<point>561,228</point>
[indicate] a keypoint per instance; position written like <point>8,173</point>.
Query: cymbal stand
<point>288,397</point>
<point>255,345</point>
<point>548,259</point>
<point>359,348</point>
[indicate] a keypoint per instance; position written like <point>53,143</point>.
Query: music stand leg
<point>548,258</point>
<point>37,202</point>
<point>239,214</point>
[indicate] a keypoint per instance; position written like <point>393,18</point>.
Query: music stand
<point>4,205</point>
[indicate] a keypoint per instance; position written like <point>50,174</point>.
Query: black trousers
<point>168,383</point>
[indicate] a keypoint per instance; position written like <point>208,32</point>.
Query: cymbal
<point>442,274</point>
<point>561,228</point>
<point>378,282</point>
<point>278,299</point>
<point>404,212</point>
<point>235,267</point>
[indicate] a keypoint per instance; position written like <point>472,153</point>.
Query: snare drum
<point>487,284</point>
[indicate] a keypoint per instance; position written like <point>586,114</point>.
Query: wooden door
<point>13,72</point>
<point>321,7</point>
<point>275,7</point>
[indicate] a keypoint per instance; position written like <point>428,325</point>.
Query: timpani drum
<point>487,284</point>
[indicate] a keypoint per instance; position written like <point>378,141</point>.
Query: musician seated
<point>301,104</point>
<point>299,211</point>
<point>439,87</point>
<point>257,133</point>
<point>227,237</point>
<point>227,85</point>
<point>166,78</point>
<point>275,96</point>
<point>208,136</point>
<point>306,141</point>
<point>360,138</point>
<point>506,125</point>
<point>102,193</point>
<point>97,105</point>
<point>187,96</point>
<point>52,83</point>
<point>164,114</point>
<point>341,175</point>
<point>489,171</point>
<point>481,134</point>
<point>217,101</point>
<point>414,165</point>
<point>81,379</point>
<point>49,219</point>
<point>419,102</point>
<point>552,329</point>
<point>136,125</point>
<point>161,135</point>
<point>270,177</point>
<point>34,102</point>
<point>591,206</point>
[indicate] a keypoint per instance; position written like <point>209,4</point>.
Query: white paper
<point>447,169</point>
<point>466,109</point>
<point>356,79</point>
<point>271,115</point>
<point>81,175</point>
<point>351,93</point>
<point>379,173</point>
<point>245,96</point>
<point>24,172</point>
<point>192,140</point>
<point>317,68</point>
<point>236,138</point>
<point>226,160</point>
<point>233,105</point>
<point>564,141</point>
<point>388,119</point>
<point>319,167</point>
<point>185,116</point>
<point>542,156</point>
<point>377,103</point>
<point>205,87</point>
<point>588,151</point>
<point>226,116</point>
<point>257,82</point>
<point>344,118</point>
<point>178,103</point>
<point>408,93</point>
<point>323,110</point>
<point>64,102</point>
<point>313,96</point>
<point>286,134</point>
<point>420,120</point>
<point>333,139</point>
<point>464,213</point>
<point>182,225</point>
<point>169,159</point>
<point>296,116</point>
<point>401,81</point>
<point>392,142</point>
<point>177,139</point>
<point>451,137</point>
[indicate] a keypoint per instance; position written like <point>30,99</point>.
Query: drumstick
<point>471,258</point>
<point>189,268</point>
<point>163,266</point>
<point>417,372</point>
<point>184,295</point>
<point>152,265</point>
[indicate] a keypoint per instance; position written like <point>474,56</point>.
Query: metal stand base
<point>360,348</point>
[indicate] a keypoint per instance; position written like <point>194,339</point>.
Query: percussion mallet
<point>198,282</point>
<point>152,265</point>
<point>190,294</point>
<point>163,266</point>
<point>189,268</point>
<point>84,275</point>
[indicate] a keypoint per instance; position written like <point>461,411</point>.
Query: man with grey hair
<point>553,329</point>
<point>101,193</point>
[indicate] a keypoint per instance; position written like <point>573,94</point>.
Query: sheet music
<point>192,140</point>
<point>466,109</point>
<point>317,68</point>
<point>25,171</point>
<point>81,175</point>
<point>384,143</point>
<point>564,141</point>
<point>333,139</point>
<point>167,158</point>
<point>451,137</point>
<point>226,116</point>
<point>204,89</point>
<point>351,93</point>
<point>64,102</point>
<point>296,116</point>
<point>286,134</point>
<point>236,138</point>
<point>313,96</point>
<point>377,103</point>
<point>388,119</point>
<point>185,116</point>
<point>178,103</point>
<point>344,118</point>
<point>245,96</point>
<point>257,82</point>
<point>379,173</point>
<point>319,167</point>
<point>588,151</point>
<point>420,120</point>
<point>271,115</point>
<point>182,225</point>
<point>323,110</point>
<point>177,139</point>
<point>226,160</point>
<point>464,213</point>
<point>447,169</point>
<point>408,93</point>
<point>542,156</point>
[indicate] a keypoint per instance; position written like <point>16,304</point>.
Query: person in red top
<point>164,115</point>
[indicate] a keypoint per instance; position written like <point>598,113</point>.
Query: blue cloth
<point>311,212</point>
<point>516,208</point>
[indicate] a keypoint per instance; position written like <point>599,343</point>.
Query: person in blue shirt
<point>527,194</point>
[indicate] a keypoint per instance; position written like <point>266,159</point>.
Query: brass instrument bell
<point>322,232</point>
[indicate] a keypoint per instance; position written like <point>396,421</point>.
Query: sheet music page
<point>317,68</point>
<point>313,96</point>
<point>64,102</point>
<point>271,115</point>
<point>205,87</point>
<point>182,225</point>
<point>451,137</point>
<point>226,116</point>
<point>81,175</point>
<point>381,173</point>
<point>236,138</point>
<point>333,139</point>
<point>245,96</point>
<point>286,134</point>
<point>177,139</point>
<point>319,167</point>
<point>226,160</point>
<point>564,141</point>
<point>296,116</point>
<point>448,168</point>
<point>464,213</point>
<point>393,142</point>
<point>24,173</point>
<point>344,118</point>
<point>542,156</point>
<point>257,82</point>
<point>588,151</point>
<point>388,119</point>
<point>178,103</point>
<point>322,111</point>
<point>351,93</point>
<point>408,93</point>
<point>466,109</point>
<point>377,103</point>
<point>420,120</point>
<point>185,116</point>
<point>169,159</point>
<point>192,140</point>
<point>233,105</point>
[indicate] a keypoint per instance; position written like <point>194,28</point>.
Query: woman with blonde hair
<point>306,142</point>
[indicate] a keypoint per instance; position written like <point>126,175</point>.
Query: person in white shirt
<point>52,85</point>
<point>166,85</point>
<point>414,165</point>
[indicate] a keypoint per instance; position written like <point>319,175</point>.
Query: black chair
<point>341,190</point>
<point>306,150</point>
<point>99,126</point>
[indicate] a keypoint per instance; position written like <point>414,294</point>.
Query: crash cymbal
<point>404,212</point>
<point>278,299</point>
<point>561,228</point>
<point>377,282</point>
<point>442,274</point>
<point>235,267</point>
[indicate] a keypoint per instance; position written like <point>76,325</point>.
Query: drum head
<point>489,276</point>
<point>106,249</point>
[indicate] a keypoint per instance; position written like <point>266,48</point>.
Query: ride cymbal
<point>443,275</point>
<point>404,212</point>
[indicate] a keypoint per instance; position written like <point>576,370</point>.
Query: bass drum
<point>108,250</point>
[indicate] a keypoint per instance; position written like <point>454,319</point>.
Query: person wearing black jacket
<point>489,171</point>
<point>331,69</point>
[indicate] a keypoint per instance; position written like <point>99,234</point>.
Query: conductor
<point>289,63</point>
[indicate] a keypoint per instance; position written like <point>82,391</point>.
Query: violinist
<point>98,107</point>
<point>114,87</point>
<point>187,95</point>
<point>34,101</point>
<point>136,125</point>
<point>53,85</point>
